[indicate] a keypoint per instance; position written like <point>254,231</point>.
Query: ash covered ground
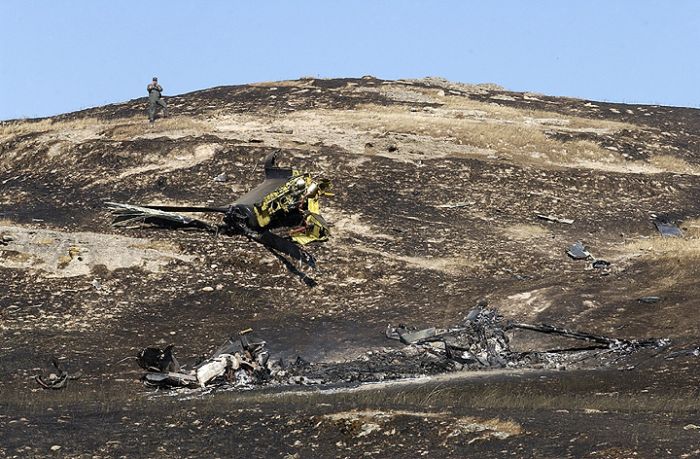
<point>437,190</point>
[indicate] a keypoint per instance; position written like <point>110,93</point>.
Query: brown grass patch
<point>676,258</point>
<point>362,423</point>
<point>509,134</point>
<point>673,164</point>
<point>125,128</point>
<point>175,126</point>
<point>691,228</point>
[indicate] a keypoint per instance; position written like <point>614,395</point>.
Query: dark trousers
<point>152,105</point>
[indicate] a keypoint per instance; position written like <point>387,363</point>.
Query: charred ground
<point>437,189</point>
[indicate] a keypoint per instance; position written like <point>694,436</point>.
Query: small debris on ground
<point>221,178</point>
<point>668,229</point>
<point>578,251</point>
<point>600,264</point>
<point>57,377</point>
<point>456,205</point>
<point>552,218</point>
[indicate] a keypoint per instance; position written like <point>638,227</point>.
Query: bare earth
<point>437,190</point>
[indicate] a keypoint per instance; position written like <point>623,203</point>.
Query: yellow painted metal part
<point>316,230</point>
<point>282,199</point>
<point>303,193</point>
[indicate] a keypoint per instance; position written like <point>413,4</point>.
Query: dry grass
<point>358,420</point>
<point>691,228</point>
<point>460,127</point>
<point>176,126</point>
<point>302,82</point>
<point>511,137</point>
<point>454,397</point>
<point>120,129</point>
<point>673,164</point>
<point>657,247</point>
<point>675,259</point>
<point>438,397</point>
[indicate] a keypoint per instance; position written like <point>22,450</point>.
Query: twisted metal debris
<point>480,341</point>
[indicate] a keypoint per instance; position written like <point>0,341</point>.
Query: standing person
<point>155,98</point>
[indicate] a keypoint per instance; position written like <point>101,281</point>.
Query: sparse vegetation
<point>117,129</point>
<point>673,164</point>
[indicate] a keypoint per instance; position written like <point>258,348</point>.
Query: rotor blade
<point>126,214</point>
<point>222,210</point>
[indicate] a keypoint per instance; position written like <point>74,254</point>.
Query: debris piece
<point>578,251</point>
<point>611,343</point>
<point>694,351</point>
<point>243,365</point>
<point>456,205</point>
<point>154,359</point>
<point>286,199</point>
<point>5,239</point>
<point>600,264</point>
<point>53,381</point>
<point>668,229</point>
<point>649,299</point>
<point>221,178</point>
<point>480,341</point>
<point>57,380</point>
<point>691,427</point>
<point>170,380</point>
<point>10,179</point>
<point>127,214</point>
<point>411,336</point>
<point>215,367</point>
<point>552,218</point>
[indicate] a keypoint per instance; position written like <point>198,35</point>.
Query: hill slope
<point>438,187</point>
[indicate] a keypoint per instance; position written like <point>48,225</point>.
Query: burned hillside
<point>444,195</point>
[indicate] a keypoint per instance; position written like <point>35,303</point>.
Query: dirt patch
<point>451,265</point>
<point>527,305</point>
<point>360,424</point>
<point>177,159</point>
<point>525,232</point>
<point>60,254</point>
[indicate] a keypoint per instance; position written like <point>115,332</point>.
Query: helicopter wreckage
<point>282,213</point>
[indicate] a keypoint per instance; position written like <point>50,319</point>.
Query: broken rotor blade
<point>125,214</point>
<point>221,210</point>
